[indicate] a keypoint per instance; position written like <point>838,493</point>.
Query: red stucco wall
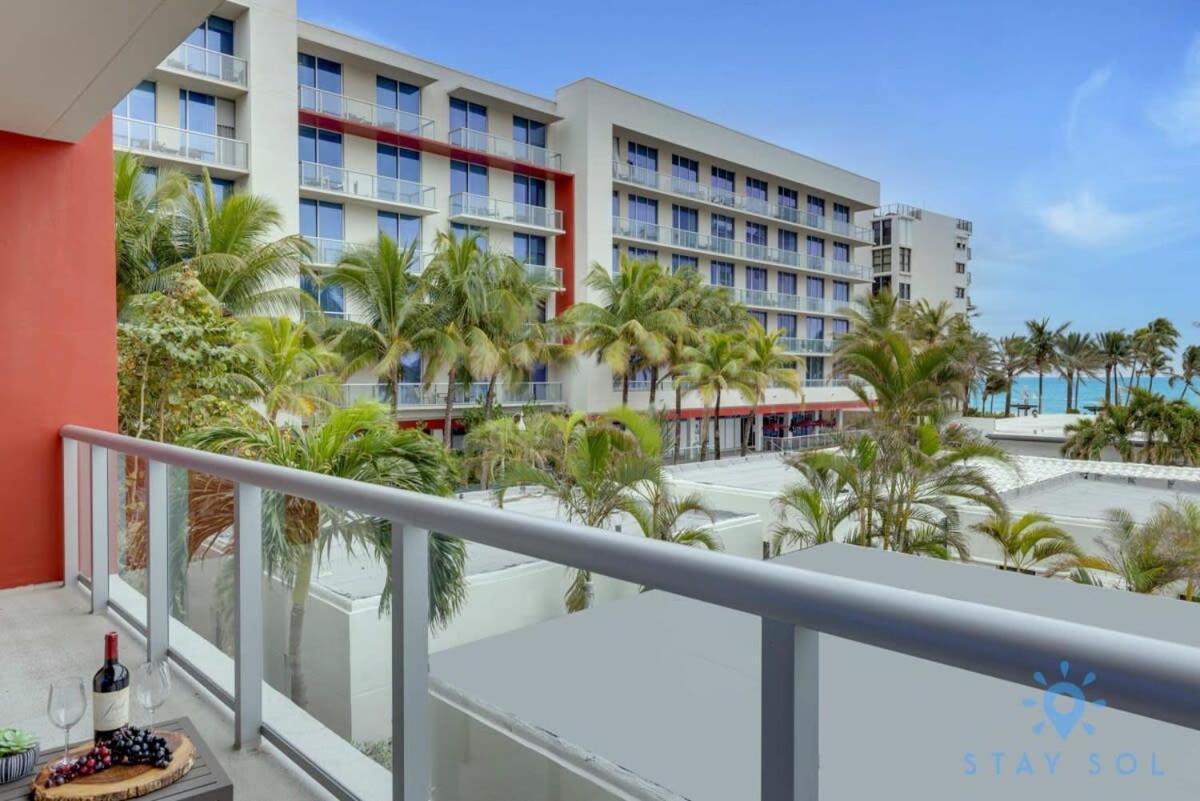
<point>57,332</point>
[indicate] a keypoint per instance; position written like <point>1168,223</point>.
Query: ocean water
<point>1055,388</point>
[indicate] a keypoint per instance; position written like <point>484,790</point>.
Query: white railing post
<point>791,691</point>
<point>411,728</point>
<point>70,488</point>
<point>158,608</point>
<point>99,529</point>
<point>248,616</point>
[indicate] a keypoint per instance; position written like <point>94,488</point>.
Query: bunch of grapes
<point>134,746</point>
<point>98,759</point>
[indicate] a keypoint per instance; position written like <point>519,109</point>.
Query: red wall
<point>58,350</point>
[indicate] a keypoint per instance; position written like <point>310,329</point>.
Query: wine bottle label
<point>110,711</point>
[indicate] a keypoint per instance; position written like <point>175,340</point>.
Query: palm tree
<point>1155,556</point>
<point>288,367</point>
<point>633,325</point>
<point>662,516</point>
<point>142,220</point>
<point>1012,359</point>
<point>359,442</point>
<point>878,315</point>
<point>1161,338</point>
<point>811,512</point>
<point>227,246</point>
<point>718,365</point>
<point>1076,355</point>
<point>1043,348</point>
<point>975,355</point>
<point>928,324</point>
<point>903,386</point>
<point>1115,427</point>
<point>1030,540</point>
<point>1114,352</point>
<point>765,364</point>
<point>491,446</point>
<point>379,282</point>
<point>1189,371</point>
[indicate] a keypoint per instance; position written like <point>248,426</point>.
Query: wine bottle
<point>110,692</point>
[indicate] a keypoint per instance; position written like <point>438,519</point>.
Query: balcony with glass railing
<point>417,394</point>
<point>680,239</point>
<point>764,299</point>
<point>693,190</point>
<point>807,347</point>
<point>179,144</point>
<point>484,210</point>
<point>329,252</point>
<point>210,64</point>
<point>377,189</point>
<point>364,112</point>
<point>546,274</point>
<point>484,142</point>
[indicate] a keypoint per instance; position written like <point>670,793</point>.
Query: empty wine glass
<point>152,683</point>
<point>65,706</point>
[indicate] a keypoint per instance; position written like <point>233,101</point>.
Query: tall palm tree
<point>1076,355</point>
<point>142,216</point>
<point>1043,349</point>
<point>975,356</point>
<point>1189,371</point>
<point>1012,356</point>
<point>1029,540</point>
<point>718,365</point>
<point>902,385</point>
<point>1114,349</point>
<point>359,442</point>
<point>228,246</point>
<point>632,326</point>
<point>379,282</point>
<point>1115,427</point>
<point>1161,339</point>
<point>288,367</point>
<point>1155,556</point>
<point>765,364</point>
<point>879,314</point>
<point>929,324</point>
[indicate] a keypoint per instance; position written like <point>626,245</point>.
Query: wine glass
<point>65,706</point>
<point>152,682</point>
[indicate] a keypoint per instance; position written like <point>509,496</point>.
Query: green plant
<point>16,741</point>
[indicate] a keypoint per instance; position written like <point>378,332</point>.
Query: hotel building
<point>350,138</point>
<point>921,254</point>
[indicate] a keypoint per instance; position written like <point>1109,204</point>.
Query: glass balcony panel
<point>209,63</point>
<point>364,112</point>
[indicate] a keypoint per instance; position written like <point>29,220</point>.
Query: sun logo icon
<point>1063,720</point>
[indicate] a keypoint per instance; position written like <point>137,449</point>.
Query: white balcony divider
<point>208,63</point>
<point>735,249</point>
<point>1154,678</point>
<point>685,187</point>
<point>169,142</point>
<point>364,112</point>
<point>366,185</point>
<point>485,142</point>
<point>463,204</point>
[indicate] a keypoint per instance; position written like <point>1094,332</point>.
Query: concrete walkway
<point>46,633</point>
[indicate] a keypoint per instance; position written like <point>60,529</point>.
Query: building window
<point>642,254</point>
<point>722,226</point>
<point>138,104</point>
<point>529,132</point>
<point>816,207</point>
<point>756,279</point>
<point>905,291</point>
<point>222,188</point>
<point>685,169</point>
<point>680,262</point>
<point>643,209</point>
<point>841,252</point>
<point>469,178</point>
<point>318,146</point>
<point>724,185</point>
<point>530,191</point>
<point>215,33</point>
<point>397,94</point>
<point>814,327</point>
<point>883,233</point>
<point>685,219</point>
<point>756,190</point>
<point>960,268</point>
<point>461,231</point>
<point>530,249</point>
<point>906,260</point>
<point>814,287</point>
<point>787,324</point>
<point>786,283</point>
<point>814,368</point>
<point>960,292</point>
<point>881,260</point>
<point>840,327</point>
<point>403,229</point>
<point>329,298</point>
<point>756,234</point>
<point>721,273</point>
<point>841,290</point>
<point>788,240</point>
<point>397,162</point>
<point>760,316</point>
<point>789,204</point>
<point>320,73</point>
<point>841,213</point>
<point>643,157</point>
<point>880,284</point>
<point>815,247</point>
<point>467,115</point>
<point>322,219</point>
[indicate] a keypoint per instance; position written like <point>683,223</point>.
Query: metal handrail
<point>1146,676</point>
<point>363,111</point>
<point>465,204</point>
<point>419,394</point>
<point>502,146</point>
<point>171,142</point>
<point>209,63</point>
<point>366,185</point>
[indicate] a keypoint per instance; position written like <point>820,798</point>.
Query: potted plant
<point>18,754</point>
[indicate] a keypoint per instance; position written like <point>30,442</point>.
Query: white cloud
<point>1084,220</point>
<point>1090,87</point>
<point>1178,113</point>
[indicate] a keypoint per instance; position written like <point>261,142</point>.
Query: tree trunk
<point>300,588</point>
<point>1107,380</point>
<point>1070,394</point>
<point>1008,397</point>
<point>1040,376</point>
<point>447,419</point>
<point>717,429</point>
<point>489,398</point>
<point>966,407</point>
<point>653,385</point>
<point>704,435</point>
<point>746,428</point>
<point>678,419</point>
<point>395,393</point>
<point>625,390</point>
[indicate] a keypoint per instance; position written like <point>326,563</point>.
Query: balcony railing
<point>366,185</point>
<point>471,394</point>
<point>177,143</point>
<point>1144,676</point>
<point>688,188</point>
<point>761,298</point>
<point>364,112</point>
<point>484,142</point>
<point>643,385</point>
<point>208,63</point>
<point>898,209</point>
<point>505,212</point>
<point>329,252</point>
<point>809,347</point>
<point>543,273</point>
<point>732,248</point>
<point>826,383</point>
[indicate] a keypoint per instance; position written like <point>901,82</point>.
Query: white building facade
<point>350,138</point>
<point>920,254</point>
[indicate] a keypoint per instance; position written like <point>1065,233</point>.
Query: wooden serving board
<point>120,782</point>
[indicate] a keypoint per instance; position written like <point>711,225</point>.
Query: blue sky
<point>1069,132</point>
